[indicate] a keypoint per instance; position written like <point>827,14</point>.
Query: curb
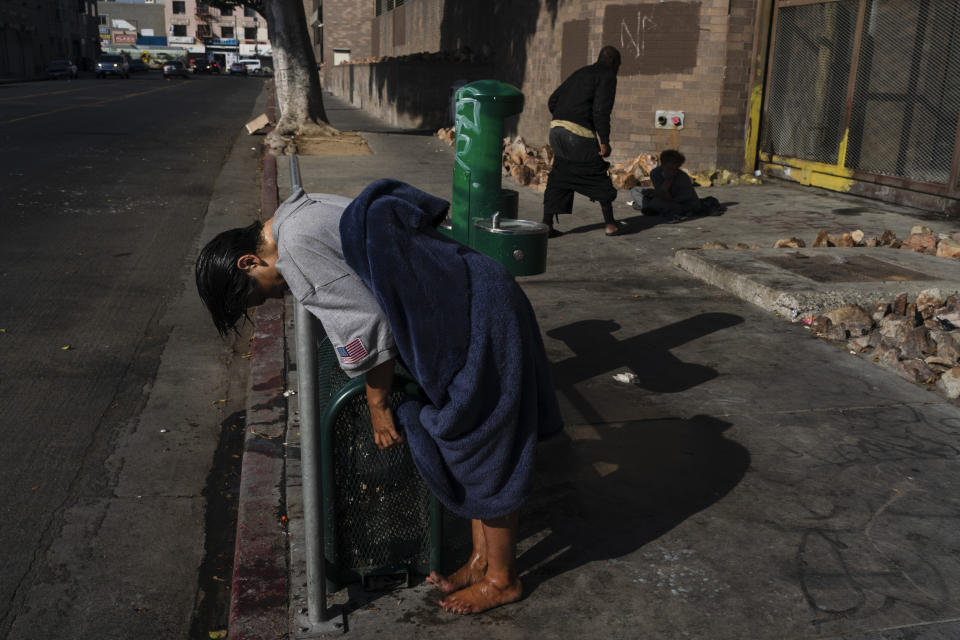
<point>261,574</point>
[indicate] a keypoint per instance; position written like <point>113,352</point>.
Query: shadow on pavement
<point>607,495</point>
<point>607,489</point>
<point>597,351</point>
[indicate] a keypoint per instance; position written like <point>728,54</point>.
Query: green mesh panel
<point>380,520</point>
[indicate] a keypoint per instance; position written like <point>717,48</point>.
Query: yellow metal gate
<point>864,94</point>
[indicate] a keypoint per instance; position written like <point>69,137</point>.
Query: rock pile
<point>918,340</point>
<point>634,172</point>
<point>921,239</point>
<point>447,134</point>
<point>529,165</point>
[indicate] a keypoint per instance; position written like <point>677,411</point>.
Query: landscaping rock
<point>820,325</point>
<point>837,333</point>
<point>712,244</point>
<point>887,239</point>
<point>900,304</point>
<point>822,240</point>
<point>949,317</point>
<point>948,248</point>
<point>862,343</point>
<point>949,383</point>
<point>857,321</point>
<point>872,241</point>
<point>929,298</point>
<point>857,236</point>
<point>880,311</point>
<point>522,173</point>
<point>896,327</point>
<point>919,370</point>
<point>948,347</point>
<point>915,344</point>
<point>921,243</point>
<point>912,313</point>
<point>789,243</point>
<point>936,362</point>
<point>845,240</point>
<point>919,229</point>
<point>740,245</point>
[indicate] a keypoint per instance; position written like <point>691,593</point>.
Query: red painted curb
<point>260,589</point>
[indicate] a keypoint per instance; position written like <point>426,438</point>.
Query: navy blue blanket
<point>468,335</point>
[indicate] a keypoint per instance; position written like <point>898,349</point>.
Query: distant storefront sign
<point>179,39</point>
<point>255,49</point>
<point>124,37</point>
<point>104,31</point>
<point>152,41</point>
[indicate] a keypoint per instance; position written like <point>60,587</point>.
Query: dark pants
<point>577,168</point>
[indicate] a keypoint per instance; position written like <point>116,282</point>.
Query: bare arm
<point>379,383</point>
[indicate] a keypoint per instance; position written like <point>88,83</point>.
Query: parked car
<point>199,65</point>
<point>237,69</point>
<point>61,69</point>
<point>252,64</point>
<point>173,68</point>
<point>138,66</point>
<point>110,65</point>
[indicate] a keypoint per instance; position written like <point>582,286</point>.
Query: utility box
<point>664,119</point>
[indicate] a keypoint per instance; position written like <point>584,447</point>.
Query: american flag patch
<point>353,352</point>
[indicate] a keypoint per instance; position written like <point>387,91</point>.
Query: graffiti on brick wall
<point>654,38</point>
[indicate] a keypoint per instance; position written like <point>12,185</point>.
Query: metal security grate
<point>907,98</point>
<point>376,506</point>
<point>808,83</point>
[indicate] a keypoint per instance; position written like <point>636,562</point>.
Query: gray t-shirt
<point>306,228</point>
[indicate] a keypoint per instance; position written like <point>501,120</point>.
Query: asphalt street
<point>110,412</point>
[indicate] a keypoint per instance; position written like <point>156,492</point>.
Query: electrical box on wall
<point>668,119</point>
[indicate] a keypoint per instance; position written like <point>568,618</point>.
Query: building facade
<point>36,32</point>
<point>126,23</point>
<point>692,57</point>
<point>859,96</point>
<point>222,34</point>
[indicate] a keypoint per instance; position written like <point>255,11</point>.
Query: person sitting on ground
<point>389,288</point>
<point>672,195</point>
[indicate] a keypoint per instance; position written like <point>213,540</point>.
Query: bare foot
<point>463,577</point>
<point>482,595</point>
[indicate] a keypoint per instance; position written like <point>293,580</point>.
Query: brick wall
<point>346,25</point>
<point>682,55</point>
<point>414,94</point>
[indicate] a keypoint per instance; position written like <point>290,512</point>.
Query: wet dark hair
<point>672,156</point>
<point>222,286</point>
<point>609,56</point>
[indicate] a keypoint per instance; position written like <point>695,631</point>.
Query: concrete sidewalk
<point>752,482</point>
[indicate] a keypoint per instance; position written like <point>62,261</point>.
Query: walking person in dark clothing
<point>581,109</point>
